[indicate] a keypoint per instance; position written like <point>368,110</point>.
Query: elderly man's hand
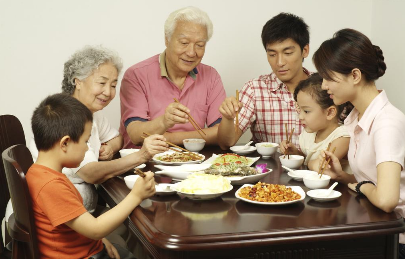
<point>153,145</point>
<point>175,113</point>
<point>229,107</point>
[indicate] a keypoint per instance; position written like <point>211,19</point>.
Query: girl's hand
<point>111,250</point>
<point>144,187</point>
<point>333,169</point>
<point>229,107</point>
<point>153,145</point>
<point>290,146</point>
<point>106,152</point>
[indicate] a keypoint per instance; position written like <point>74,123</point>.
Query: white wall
<point>37,37</point>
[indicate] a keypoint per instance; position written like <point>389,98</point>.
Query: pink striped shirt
<point>267,105</point>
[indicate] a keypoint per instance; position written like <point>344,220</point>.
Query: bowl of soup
<point>316,181</point>
<point>266,149</point>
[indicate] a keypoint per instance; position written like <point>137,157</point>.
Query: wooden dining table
<point>226,227</point>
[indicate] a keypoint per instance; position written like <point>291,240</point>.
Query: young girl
<point>350,64</point>
<point>321,120</point>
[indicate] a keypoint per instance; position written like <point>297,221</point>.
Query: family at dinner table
<point>339,107</point>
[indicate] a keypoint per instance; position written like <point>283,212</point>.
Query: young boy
<point>61,127</point>
<point>267,103</point>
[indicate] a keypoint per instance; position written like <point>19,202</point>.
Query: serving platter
<point>156,160</point>
<point>297,189</point>
<point>200,196</point>
<point>238,180</point>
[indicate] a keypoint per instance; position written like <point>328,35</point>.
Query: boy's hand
<point>111,250</point>
<point>144,187</point>
<point>153,145</point>
<point>229,107</point>
<point>105,152</point>
<point>290,146</point>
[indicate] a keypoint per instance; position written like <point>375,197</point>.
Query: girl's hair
<point>83,63</point>
<point>313,86</point>
<point>349,49</point>
<point>188,14</point>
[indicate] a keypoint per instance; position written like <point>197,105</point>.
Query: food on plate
<point>233,169</point>
<point>200,183</point>
<point>179,157</point>
<point>264,192</point>
<point>228,158</point>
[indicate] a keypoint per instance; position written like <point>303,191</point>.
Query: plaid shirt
<point>267,105</point>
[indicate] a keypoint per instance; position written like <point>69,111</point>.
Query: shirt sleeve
<point>133,97</point>
<point>106,132</point>
<point>215,98</point>
<point>59,202</point>
<point>247,114</point>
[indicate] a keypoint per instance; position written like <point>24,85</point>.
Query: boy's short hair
<point>57,116</point>
<point>284,26</point>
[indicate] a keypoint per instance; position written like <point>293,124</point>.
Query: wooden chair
<point>11,133</point>
<point>17,160</point>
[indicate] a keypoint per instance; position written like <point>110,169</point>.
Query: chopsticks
<point>139,172</point>
<point>323,164</point>
<point>193,123</point>
<point>288,140</point>
<point>186,152</point>
<point>237,113</point>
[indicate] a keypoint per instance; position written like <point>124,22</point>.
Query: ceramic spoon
<point>288,169</point>
<point>328,191</point>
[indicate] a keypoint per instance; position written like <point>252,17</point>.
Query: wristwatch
<point>360,184</point>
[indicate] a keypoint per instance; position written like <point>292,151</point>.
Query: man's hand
<point>229,107</point>
<point>175,113</point>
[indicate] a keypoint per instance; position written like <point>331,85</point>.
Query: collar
<point>163,70</point>
<point>279,84</point>
<point>371,112</point>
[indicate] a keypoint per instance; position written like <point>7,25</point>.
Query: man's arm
<point>227,136</point>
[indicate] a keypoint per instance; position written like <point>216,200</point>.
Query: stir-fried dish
<point>179,157</point>
<point>264,192</point>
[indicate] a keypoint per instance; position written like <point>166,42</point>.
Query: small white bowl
<point>127,151</point>
<point>266,149</point>
<point>194,144</point>
<point>130,180</point>
<point>316,182</point>
<point>294,162</point>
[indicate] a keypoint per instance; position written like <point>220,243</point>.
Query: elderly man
<point>148,88</point>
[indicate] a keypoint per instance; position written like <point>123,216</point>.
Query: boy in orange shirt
<point>62,127</point>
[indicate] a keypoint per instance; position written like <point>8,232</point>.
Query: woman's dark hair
<point>284,26</point>
<point>57,116</point>
<point>349,49</point>
<point>313,86</point>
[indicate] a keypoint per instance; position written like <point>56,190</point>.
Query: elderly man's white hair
<point>188,14</point>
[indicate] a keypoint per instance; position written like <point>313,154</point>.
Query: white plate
<point>247,179</point>
<point>249,150</point>
<point>184,168</point>
<point>176,163</point>
<point>210,160</point>
<point>314,195</point>
<point>297,189</point>
<point>298,175</point>
<point>163,189</point>
<point>199,196</point>
<point>141,166</point>
<point>178,175</point>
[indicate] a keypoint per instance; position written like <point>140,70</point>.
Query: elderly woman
<point>90,76</point>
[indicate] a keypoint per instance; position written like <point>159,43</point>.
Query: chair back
<point>11,133</point>
<point>17,160</point>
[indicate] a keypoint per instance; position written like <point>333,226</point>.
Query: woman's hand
<point>153,145</point>
<point>111,250</point>
<point>333,169</point>
<point>229,107</point>
<point>106,152</point>
<point>144,187</point>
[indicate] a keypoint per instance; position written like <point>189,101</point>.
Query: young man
<point>266,103</point>
<point>62,126</point>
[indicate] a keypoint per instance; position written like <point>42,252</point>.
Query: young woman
<point>349,64</point>
<point>322,122</point>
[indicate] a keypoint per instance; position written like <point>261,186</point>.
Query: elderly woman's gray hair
<point>83,63</point>
<point>188,14</point>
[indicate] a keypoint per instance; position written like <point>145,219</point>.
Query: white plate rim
<point>245,151</point>
<point>176,163</point>
<point>330,198</point>
<point>297,189</point>
<point>196,195</point>
<point>240,178</point>
<point>170,191</point>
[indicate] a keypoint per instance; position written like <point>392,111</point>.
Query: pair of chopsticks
<point>289,137</point>
<point>193,123</point>
<point>139,172</point>
<point>323,164</point>
<point>237,113</point>
<point>186,152</point>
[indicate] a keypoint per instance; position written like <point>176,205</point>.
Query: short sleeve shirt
<point>267,106</point>
<point>56,201</point>
<point>146,91</point>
